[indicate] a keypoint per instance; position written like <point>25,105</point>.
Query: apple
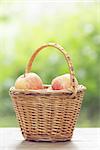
<point>62,82</point>
<point>29,81</point>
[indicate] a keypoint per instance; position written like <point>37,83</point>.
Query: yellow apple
<point>29,81</point>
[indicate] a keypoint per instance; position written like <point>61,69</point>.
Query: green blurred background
<point>25,25</point>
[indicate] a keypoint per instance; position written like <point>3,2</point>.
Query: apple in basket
<point>62,82</point>
<point>29,81</point>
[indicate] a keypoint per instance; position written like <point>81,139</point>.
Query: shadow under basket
<point>47,115</point>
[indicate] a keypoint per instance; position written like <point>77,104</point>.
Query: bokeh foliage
<point>76,29</point>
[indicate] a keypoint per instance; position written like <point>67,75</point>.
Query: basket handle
<point>67,58</point>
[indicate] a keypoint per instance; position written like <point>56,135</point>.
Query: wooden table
<point>83,139</point>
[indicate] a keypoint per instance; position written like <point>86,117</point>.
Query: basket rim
<point>80,88</point>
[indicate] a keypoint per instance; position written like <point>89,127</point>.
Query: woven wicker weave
<point>48,115</point>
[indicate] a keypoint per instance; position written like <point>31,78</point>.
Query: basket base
<point>48,139</point>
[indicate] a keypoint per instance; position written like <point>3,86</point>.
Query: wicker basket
<point>48,115</point>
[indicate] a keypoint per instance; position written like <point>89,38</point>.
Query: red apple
<point>29,81</point>
<point>62,82</point>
